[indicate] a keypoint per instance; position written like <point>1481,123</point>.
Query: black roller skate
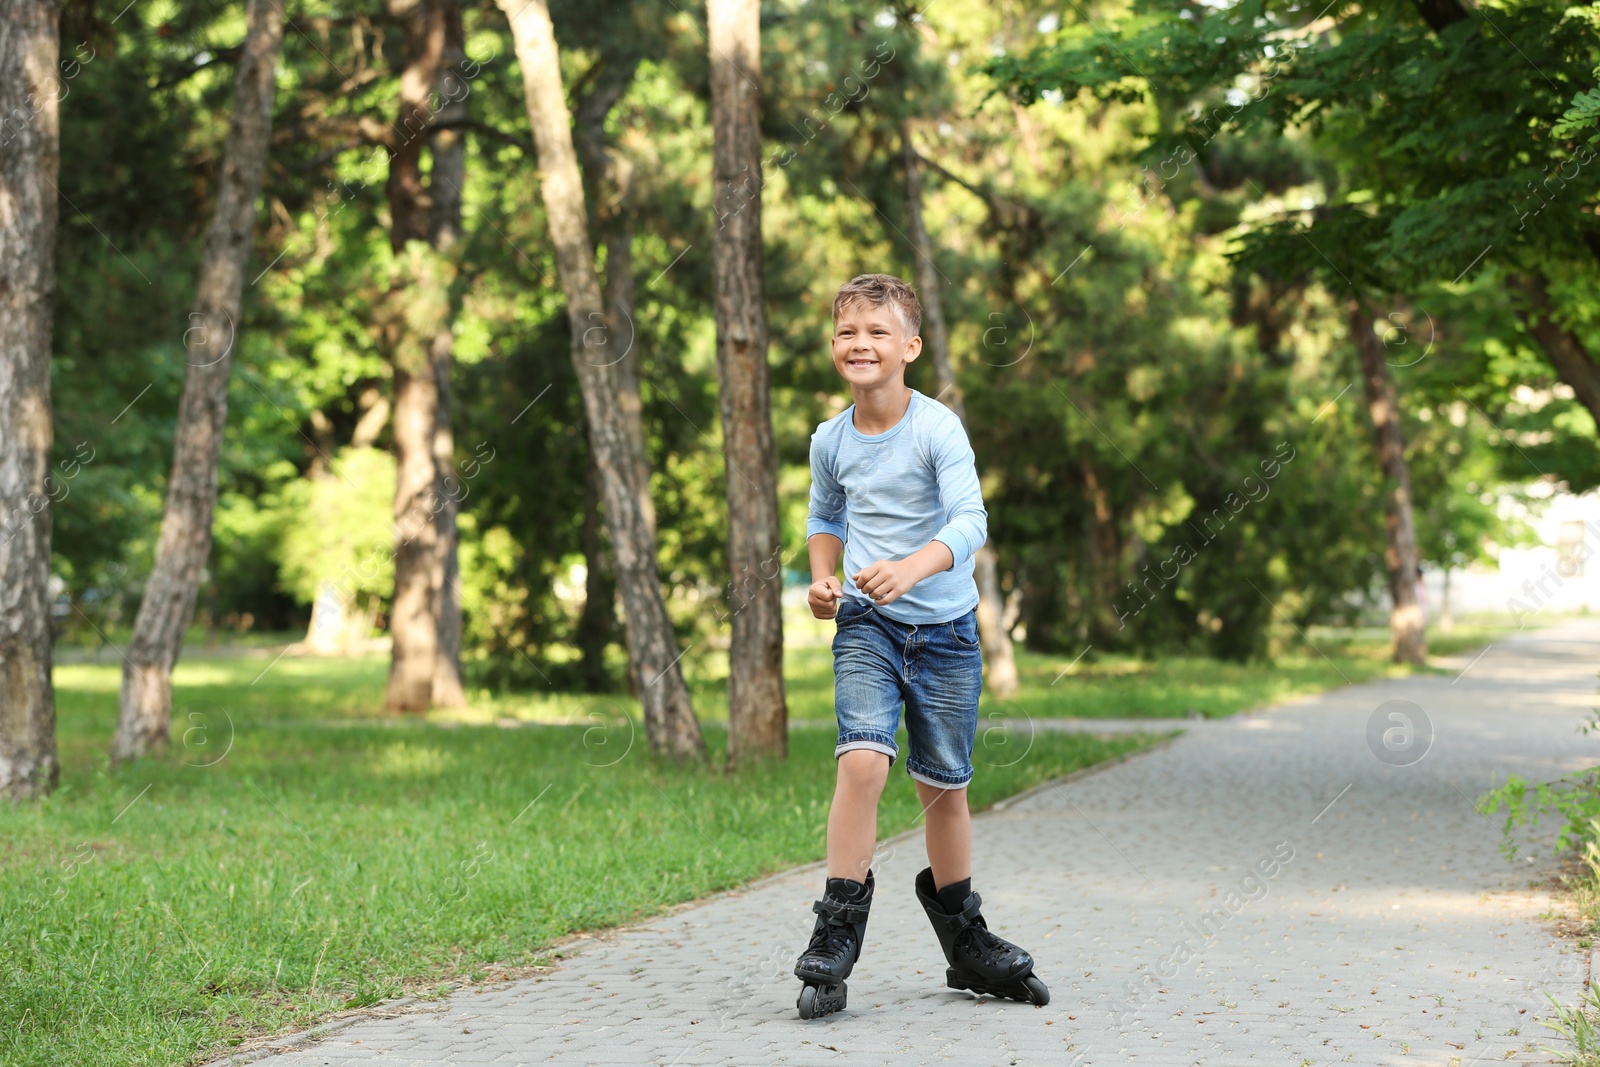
<point>979,960</point>
<point>835,946</point>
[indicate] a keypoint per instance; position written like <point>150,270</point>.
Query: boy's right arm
<point>826,526</point>
<point>826,591</point>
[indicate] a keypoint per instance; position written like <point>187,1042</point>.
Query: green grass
<point>297,854</point>
<point>1096,686</point>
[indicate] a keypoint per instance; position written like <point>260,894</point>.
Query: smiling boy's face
<point>870,346</point>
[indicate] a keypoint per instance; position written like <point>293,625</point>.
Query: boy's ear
<point>913,349</point>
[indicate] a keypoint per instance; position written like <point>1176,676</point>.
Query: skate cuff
<point>839,912</point>
<point>958,921</point>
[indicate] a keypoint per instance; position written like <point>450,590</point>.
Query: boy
<point>894,489</point>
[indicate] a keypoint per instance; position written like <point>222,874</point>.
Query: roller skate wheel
<point>1038,992</point>
<point>816,1001</point>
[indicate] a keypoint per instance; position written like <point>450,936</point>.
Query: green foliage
<point>1575,799</point>
<point>1582,116</point>
<point>337,531</point>
<point>1447,172</point>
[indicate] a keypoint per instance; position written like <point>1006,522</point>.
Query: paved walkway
<point>1269,889</point>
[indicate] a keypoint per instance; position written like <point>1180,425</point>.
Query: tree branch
<point>1566,353</point>
<point>493,133</point>
<point>1010,213</point>
<point>192,66</point>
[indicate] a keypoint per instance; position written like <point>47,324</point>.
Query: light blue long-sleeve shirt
<point>887,495</point>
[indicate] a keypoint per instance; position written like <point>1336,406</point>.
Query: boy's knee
<point>943,805</point>
<point>864,769</point>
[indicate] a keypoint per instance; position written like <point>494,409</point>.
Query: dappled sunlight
<point>524,708</point>
<point>407,760</point>
<point>88,678</point>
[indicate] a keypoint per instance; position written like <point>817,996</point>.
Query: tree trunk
<point>29,49</point>
<point>1104,552</point>
<point>1566,353</point>
<point>757,713</point>
<point>607,183</point>
<point>412,316</point>
<point>598,622</point>
<point>413,619</point>
<point>615,426</point>
<point>185,540</point>
<point>998,657</point>
<point>606,179</point>
<point>445,184</point>
<point>1400,554</point>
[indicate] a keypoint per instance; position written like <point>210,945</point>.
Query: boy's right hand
<point>824,597</point>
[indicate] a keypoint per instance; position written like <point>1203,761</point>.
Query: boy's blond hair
<point>880,290</point>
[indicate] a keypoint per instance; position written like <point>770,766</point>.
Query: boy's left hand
<point>887,580</point>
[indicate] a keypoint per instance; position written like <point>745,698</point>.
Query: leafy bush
<point>337,530</point>
<point>1576,799</point>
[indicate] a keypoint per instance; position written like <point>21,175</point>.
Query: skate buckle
<point>970,913</point>
<point>838,912</point>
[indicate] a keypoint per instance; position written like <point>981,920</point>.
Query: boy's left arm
<point>965,530</point>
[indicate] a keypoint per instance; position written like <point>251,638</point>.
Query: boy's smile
<point>870,347</point>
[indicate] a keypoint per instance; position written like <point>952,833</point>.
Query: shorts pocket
<point>849,611</point>
<point>965,630</point>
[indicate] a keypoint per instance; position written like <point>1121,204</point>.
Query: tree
<point>615,428</point>
<point>448,147</point>
<point>29,109</point>
<point>996,640</point>
<point>414,317</point>
<point>1391,93</point>
<point>185,540</point>
<point>1388,96</point>
<point>608,183</point>
<point>1400,555</point>
<point>757,713</point>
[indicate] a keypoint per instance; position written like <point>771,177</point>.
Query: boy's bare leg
<point>853,818</point>
<point>948,830</point>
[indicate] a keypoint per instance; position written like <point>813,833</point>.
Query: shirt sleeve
<point>966,525</point>
<point>829,511</point>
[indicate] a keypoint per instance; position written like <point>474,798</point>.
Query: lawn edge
<point>569,947</point>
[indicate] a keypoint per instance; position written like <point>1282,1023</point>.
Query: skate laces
<point>832,941</point>
<point>986,946</point>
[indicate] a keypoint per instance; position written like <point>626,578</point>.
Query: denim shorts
<point>934,669</point>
